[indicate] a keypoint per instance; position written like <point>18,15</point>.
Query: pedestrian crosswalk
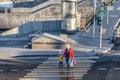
<point>49,69</point>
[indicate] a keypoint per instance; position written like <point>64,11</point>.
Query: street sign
<point>102,13</point>
<point>7,4</point>
<point>103,0</point>
<point>118,8</point>
<point>103,8</point>
<point>110,7</point>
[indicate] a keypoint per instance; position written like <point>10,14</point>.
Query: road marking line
<point>102,69</point>
<point>14,70</point>
<point>1,70</point>
<point>27,70</point>
<point>52,76</point>
<point>42,71</point>
<point>116,68</point>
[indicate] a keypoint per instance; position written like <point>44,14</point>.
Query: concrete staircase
<point>49,69</point>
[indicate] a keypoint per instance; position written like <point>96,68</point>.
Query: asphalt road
<point>14,72</point>
<point>106,68</point>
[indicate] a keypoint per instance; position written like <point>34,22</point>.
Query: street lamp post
<point>94,18</point>
<point>101,34</point>
<point>107,15</point>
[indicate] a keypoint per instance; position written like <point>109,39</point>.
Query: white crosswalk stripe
<point>49,69</point>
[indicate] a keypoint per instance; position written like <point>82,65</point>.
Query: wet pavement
<point>107,67</point>
<point>49,69</point>
<point>14,72</point>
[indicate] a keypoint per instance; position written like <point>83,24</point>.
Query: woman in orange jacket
<point>69,55</point>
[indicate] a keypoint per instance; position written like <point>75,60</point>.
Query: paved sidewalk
<point>86,41</point>
<point>81,41</point>
<point>88,44</point>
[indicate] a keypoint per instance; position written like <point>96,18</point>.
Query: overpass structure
<point>44,17</point>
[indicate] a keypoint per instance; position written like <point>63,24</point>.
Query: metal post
<point>63,27</point>
<point>107,15</point>
<point>94,18</point>
<point>100,36</point>
<point>101,33</point>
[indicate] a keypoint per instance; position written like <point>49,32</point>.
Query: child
<point>61,59</point>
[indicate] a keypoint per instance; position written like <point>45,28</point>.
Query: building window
<point>48,43</point>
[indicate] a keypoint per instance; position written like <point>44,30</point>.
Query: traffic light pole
<point>102,13</point>
<point>100,45</point>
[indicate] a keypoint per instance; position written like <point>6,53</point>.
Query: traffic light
<point>99,21</point>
